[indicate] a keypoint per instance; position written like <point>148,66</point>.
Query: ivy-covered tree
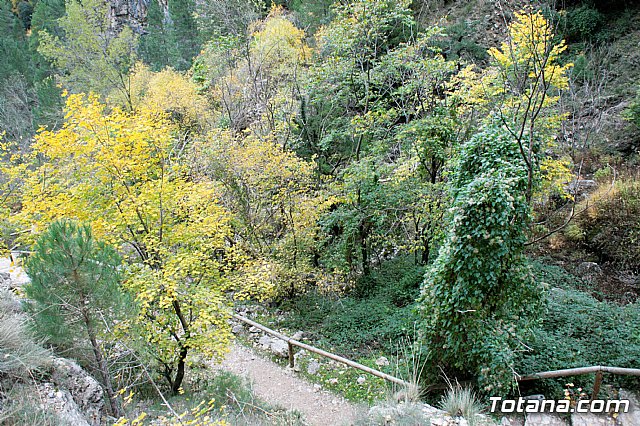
<point>74,289</point>
<point>479,298</point>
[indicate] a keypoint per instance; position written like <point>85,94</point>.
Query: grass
<point>216,399</point>
<point>459,401</point>
<point>20,354</point>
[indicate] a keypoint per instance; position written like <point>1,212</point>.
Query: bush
<point>372,319</point>
<point>582,23</point>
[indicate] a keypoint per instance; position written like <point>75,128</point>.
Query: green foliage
<point>74,283</point>
<point>632,113</point>
<point>362,325</point>
<point>13,45</point>
<point>576,331</point>
<point>90,56</point>
<point>74,293</point>
<point>458,42</point>
<point>172,39</point>
<point>581,23</point>
<point>480,284</point>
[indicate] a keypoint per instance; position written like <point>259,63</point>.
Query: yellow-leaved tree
<point>119,171</point>
<point>274,194</point>
<point>522,87</point>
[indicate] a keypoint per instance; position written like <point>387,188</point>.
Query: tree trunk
<point>116,411</point>
<point>177,381</point>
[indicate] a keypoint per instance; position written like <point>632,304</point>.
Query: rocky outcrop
<point>129,12</point>
<point>86,392</point>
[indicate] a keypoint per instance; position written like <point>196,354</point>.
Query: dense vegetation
<point>356,168</point>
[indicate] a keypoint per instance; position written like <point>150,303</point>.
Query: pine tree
<point>74,286</point>
<point>153,47</point>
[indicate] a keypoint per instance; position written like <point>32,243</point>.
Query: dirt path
<point>277,385</point>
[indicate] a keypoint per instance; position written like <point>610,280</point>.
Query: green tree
<point>90,56</point>
<point>172,37</point>
<point>154,45</point>
<point>74,288</point>
<point>479,298</point>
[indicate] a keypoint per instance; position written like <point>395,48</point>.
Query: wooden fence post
<point>291,358</point>
<point>596,385</point>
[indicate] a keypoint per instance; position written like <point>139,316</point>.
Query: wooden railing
<point>598,369</point>
<point>291,342</point>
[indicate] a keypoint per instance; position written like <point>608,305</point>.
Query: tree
<point>523,87</point>
<point>74,288</point>
<point>479,298</point>
<point>171,37</point>
<point>276,202</point>
<point>90,56</point>
<point>120,172</point>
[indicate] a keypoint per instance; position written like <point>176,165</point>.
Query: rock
<point>298,335</point>
<point>581,187</point>
<point>85,391</point>
<point>237,329</point>
<point>512,421</point>
<point>265,341</point>
<point>254,329</point>
<point>544,419</point>
<point>382,361</point>
<point>316,387</point>
<point>63,405</point>
<point>462,422</point>
<point>589,419</point>
<point>5,279</point>
<point>632,417</point>
<point>279,347</point>
<point>589,269</point>
<point>333,381</point>
<point>313,367</point>
<point>361,380</point>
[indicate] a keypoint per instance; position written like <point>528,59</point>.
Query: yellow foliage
<point>555,175</point>
<point>531,52</point>
<point>169,91</point>
<point>117,170</point>
<point>274,195</point>
<point>277,42</point>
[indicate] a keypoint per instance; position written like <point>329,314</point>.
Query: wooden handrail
<point>597,369</point>
<point>579,371</point>
<point>291,342</point>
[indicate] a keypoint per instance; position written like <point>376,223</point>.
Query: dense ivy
<point>479,296</point>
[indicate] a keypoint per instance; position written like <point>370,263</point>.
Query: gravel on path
<point>281,386</point>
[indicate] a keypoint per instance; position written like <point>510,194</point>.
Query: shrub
<point>583,22</point>
<point>459,401</point>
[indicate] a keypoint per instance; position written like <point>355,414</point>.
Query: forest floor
<point>280,386</point>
